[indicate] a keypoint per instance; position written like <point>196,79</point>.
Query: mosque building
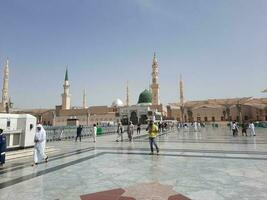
<point>64,114</point>
<point>148,105</point>
<point>67,115</point>
<point>218,110</point>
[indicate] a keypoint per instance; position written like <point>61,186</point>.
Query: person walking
<point>2,148</point>
<point>152,132</point>
<point>178,126</point>
<point>95,132</point>
<point>252,129</point>
<point>79,133</point>
<point>119,132</point>
<point>195,126</point>
<point>138,129</point>
<point>235,128</point>
<point>244,129</point>
<point>130,131</point>
<point>199,126</point>
<point>231,126</point>
<point>61,135</point>
<point>39,145</point>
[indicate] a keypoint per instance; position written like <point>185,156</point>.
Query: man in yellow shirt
<point>152,133</point>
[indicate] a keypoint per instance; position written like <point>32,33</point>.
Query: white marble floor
<point>210,164</point>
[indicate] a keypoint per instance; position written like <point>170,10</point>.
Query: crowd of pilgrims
<point>130,129</point>
<point>153,128</point>
<point>246,127</point>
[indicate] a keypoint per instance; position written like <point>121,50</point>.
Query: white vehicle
<point>19,129</point>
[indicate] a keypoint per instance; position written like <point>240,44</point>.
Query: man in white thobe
<point>195,126</point>
<point>130,131</point>
<point>39,145</point>
<point>252,129</point>
<point>95,133</point>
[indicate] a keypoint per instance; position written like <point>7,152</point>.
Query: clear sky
<point>220,47</point>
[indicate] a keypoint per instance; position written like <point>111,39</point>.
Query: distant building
<point>137,113</point>
<point>65,114</point>
<point>148,105</point>
<point>218,110</point>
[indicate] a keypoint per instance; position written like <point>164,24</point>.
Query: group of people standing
<point>245,128</point>
<point>196,126</point>
<point>130,131</point>
<point>79,133</point>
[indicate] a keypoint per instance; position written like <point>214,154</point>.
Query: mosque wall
<point>217,114</point>
<point>86,119</point>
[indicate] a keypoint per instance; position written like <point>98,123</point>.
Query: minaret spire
<point>66,93</point>
<point>155,85</point>
<point>181,90</point>
<point>84,99</point>
<point>154,57</point>
<point>127,95</point>
<point>155,70</point>
<point>182,99</point>
<point>5,95</point>
<point>66,74</point>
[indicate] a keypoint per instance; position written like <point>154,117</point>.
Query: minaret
<point>182,98</point>
<point>155,85</point>
<point>127,95</point>
<point>181,90</point>
<point>66,94</point>
<point>5,96</point>
<point>84,99</point>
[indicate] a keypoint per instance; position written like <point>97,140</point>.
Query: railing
<point>261,124</point>
<point>69,132</point>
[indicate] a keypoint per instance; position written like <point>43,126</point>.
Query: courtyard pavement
<point>205,165</point>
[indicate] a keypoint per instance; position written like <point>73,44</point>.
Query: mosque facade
<point>148,106</point>
<point>218,110</point>
<point>64,114</point>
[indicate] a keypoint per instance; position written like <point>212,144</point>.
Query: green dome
<point>145,97</point>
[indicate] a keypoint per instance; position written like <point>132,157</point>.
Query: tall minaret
<point>84,99</point>
<point>127,95</point>
<point>5,96</point>
<point>155,85</point>
<point>181,91</point>
<point>182,99</point>
<point>66,94</point>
